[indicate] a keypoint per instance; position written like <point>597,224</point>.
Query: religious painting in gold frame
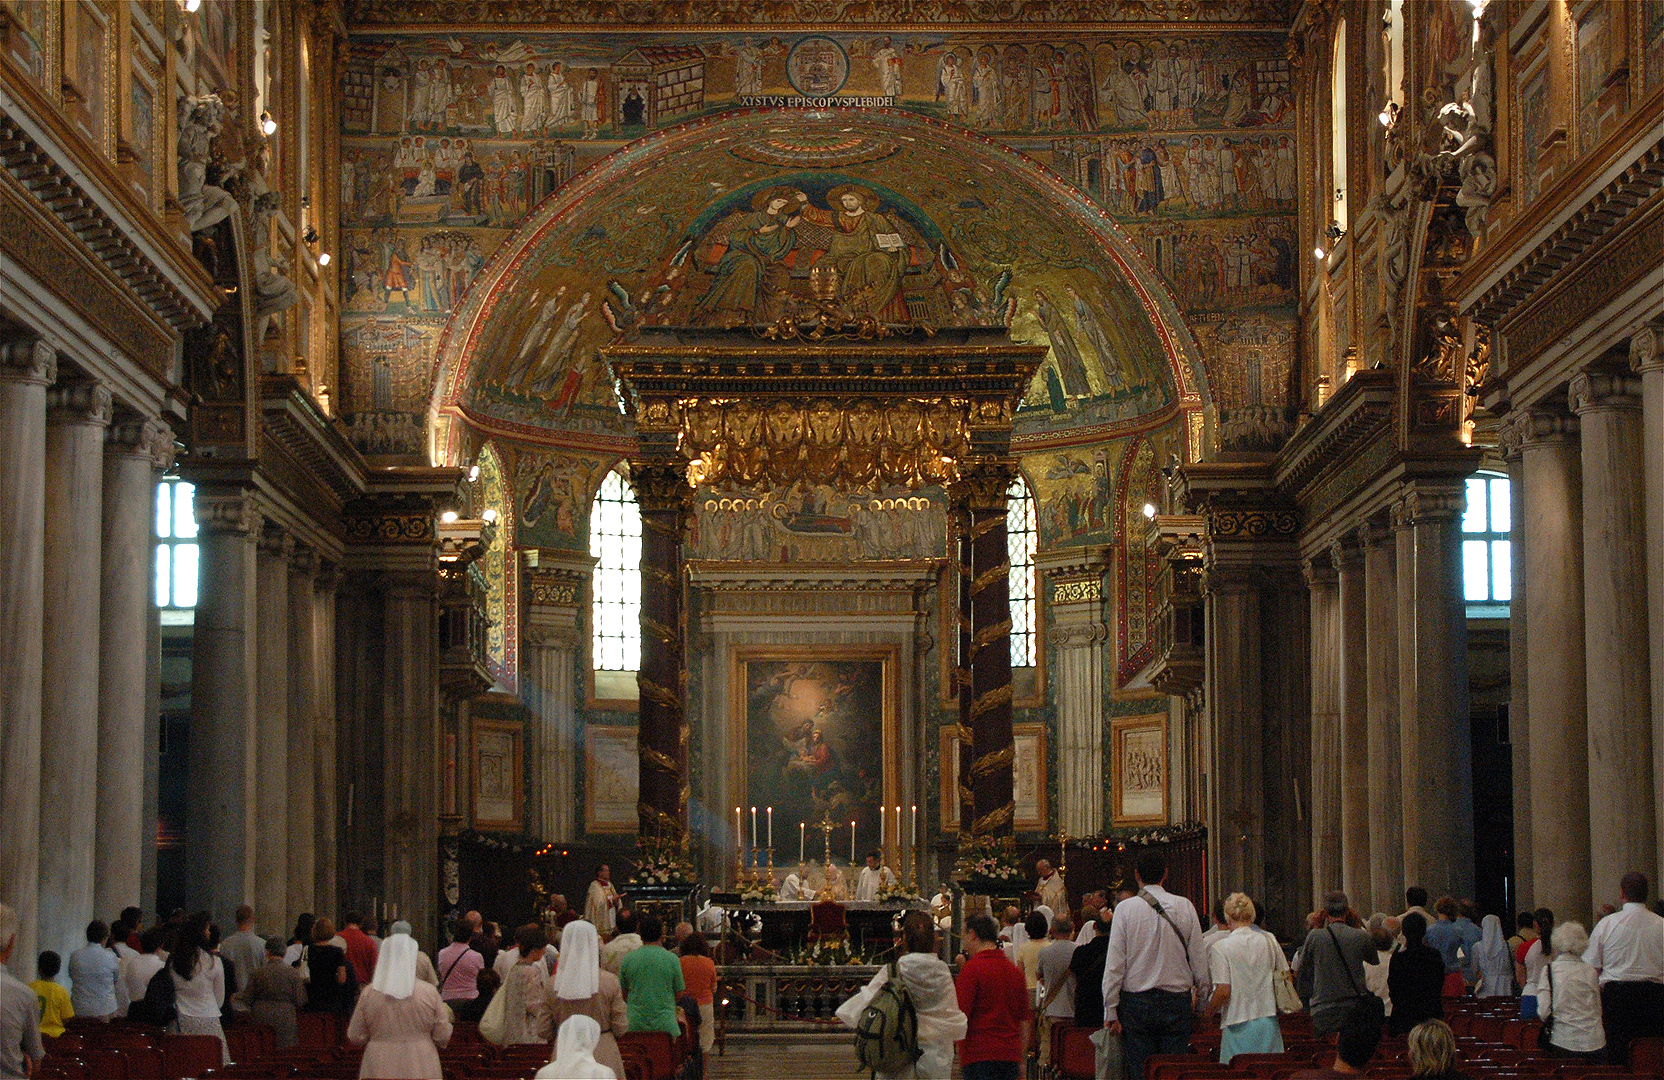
<point>612,778</point>
<point>813,732</point>
<point>498,771</point>
<point>1028,777</point>
<point>1138,770</point>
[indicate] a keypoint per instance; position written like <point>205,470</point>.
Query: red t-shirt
<point>361,953</point>
<point>993,995</point>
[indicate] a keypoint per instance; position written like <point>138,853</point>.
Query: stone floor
<point>810,1056</point>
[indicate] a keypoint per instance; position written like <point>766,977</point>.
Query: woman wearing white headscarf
<point>400,1020</point>
<point>424,966</point>
<point>575,1052</point>
<point>1493,962</point>
<point>581,988</point>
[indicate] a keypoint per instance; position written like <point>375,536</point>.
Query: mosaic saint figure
<point>749,253</point>
<point>868,251</point>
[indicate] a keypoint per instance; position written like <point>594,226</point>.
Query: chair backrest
<point>144,1062</point>
<point>1073,1053</point>
<point>316,1029</point>
<point>106,1062</point>
<point>1647,1055</point>
<point>828,917</point>
<point>659,1048</point>
<point>190,1055</point>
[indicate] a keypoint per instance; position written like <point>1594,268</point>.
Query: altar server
<point>874,877</point>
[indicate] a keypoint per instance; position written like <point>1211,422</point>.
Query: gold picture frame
<point>497,766</point>
<point>612,778</point>
<point>1028,778</point>
<point>869,675</point>
<point>1138,770</point>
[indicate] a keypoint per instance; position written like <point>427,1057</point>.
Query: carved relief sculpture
<point>199,124</point>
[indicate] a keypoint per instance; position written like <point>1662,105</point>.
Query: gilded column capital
<point>80,402</point>
<point>1599,391</point>
<point>142,437</point>
<point>1646,348</point>
<point>983,482</point>
<point>661,486</point>
<point>225,512</point>
<point>28,360</point>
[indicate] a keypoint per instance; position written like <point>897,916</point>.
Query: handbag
<point>1547,1034</point>
<point>1282,986</point>
<point>494,1024</point>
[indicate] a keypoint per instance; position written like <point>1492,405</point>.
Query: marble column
<point>271,770</point>
<point>985,484</point>
<point>27,367</point>
<point>1435,747</point>
<point>1646,358</point>
<point>135,452</point>
<point>302,662</point>
<point>1077,632</point>
<point>220,813</point>
<point>1236,821</point>
<point>1555,658</point>
<point>552,648</point>
<point>1386,813</point>
<point>1352,656</point>
<point>666,510</point>
<point>1624,834</point>
<point>78,412</point>
<point>1326,810</point>
<point>324,803</point>
<point>411,745</point>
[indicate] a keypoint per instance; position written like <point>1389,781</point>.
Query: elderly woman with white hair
<point>1568,997</point>
<point>1243,964</point>
<point>400,1020</point>
<point>582,987</point>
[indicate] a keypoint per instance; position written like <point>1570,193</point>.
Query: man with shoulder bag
<point>1332,969</point>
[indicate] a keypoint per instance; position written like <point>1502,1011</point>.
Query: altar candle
<point>801,829</point>
<point>739,835</point>
<point>753,826</point>
<point>852,844</point>
<point>883,820</point>
<point>915,828</point>
<point>771,828</point>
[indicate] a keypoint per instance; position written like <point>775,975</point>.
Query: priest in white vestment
<point>874,877</point>
<point>796,887</point>
<point>1053,893</point>
<point>601,905</point>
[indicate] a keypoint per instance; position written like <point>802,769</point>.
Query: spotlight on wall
<point>490,515</point>
<point>448,516</point>
<point>323,258</point>
<point>267,124</point>
<point>192,5</point>
<point>1150,510</point>
<point>473,473</point>
<point>1388,113</point>
<point>1318,253</point>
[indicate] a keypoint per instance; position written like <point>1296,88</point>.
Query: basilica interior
<point>447,445</point>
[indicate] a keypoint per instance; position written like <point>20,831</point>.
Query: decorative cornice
<point>1227,524</point>
<point>389,527</point>
<point>815,577</point>
<point>28,359</point>
<point>555,587</point>
<point>899,15</point>
<point>1356,414</point>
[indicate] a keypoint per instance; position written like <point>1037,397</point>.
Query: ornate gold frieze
<point>1253,524</point>
<point>554,587</point>
<point>1078,590</point>
<point>653,14</point>
<point>389,528</point>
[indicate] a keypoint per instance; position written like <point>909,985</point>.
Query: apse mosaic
<point>450,140</point>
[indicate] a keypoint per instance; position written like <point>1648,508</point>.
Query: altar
<point>785,923</point>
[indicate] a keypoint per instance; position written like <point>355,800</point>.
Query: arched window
<point>1487,577</point>
<point>176,549</point>
<point>1337,127</point>
<point>1020,544</point>
<point>615,542</point>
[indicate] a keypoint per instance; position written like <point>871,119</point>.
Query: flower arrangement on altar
<point>757,891</point>
<point>897,892</point>
<point>663,860</point>
<point>988,863</point>
<point>829,953</point>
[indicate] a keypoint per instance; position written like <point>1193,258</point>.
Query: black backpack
<point>158,1005</point>
<point>887,1032</point>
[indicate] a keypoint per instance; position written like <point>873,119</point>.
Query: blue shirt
<point>96,986</point>
<point>1449,937</point>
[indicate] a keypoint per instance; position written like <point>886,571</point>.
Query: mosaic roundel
<point>817,66</point>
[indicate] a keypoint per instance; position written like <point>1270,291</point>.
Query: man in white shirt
<point>623,944</point>
<point>245,949</point>
<point>137,971</point>
<point>793,887</point>
<point>873,878</point>
<point>1627,948</point>
<point>1154,966</point>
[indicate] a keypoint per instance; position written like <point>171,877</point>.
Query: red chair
<point>1166,1066</point>
<point>106,1063</point>
<point>1647,1055</point>
<point>144,1062</point>
<point>828,921</point>
<point>1073,1055</point>
<point>190,1055</point>
<point>318,1029</point>
<point>63,1068</point>
<point>658,1048</point>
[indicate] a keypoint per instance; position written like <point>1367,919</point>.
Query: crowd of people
<point>392,999</point>
<point>1137,969</point>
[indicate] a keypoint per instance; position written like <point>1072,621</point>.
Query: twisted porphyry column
<point>983,487</point>
<point>666,501</point>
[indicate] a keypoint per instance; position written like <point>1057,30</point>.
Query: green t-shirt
<point>652,977</point>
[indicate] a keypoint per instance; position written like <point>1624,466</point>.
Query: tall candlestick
<point>753,826</point>
<point>883,825</point>
<point>915,830</point>
<point>739,836</point>
<point>852,845</point>
<point>802,831</point>
<point>771,832</point>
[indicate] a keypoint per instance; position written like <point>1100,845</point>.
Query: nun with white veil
<point>400,1020</point>
<point>575,1053</point>
<point>581,987</point>
<point>1493,961</point>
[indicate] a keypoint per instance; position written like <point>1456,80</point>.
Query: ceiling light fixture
<point>323,258</point>
<point>267,124</point>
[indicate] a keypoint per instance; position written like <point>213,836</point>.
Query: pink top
<point>459,966</point>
